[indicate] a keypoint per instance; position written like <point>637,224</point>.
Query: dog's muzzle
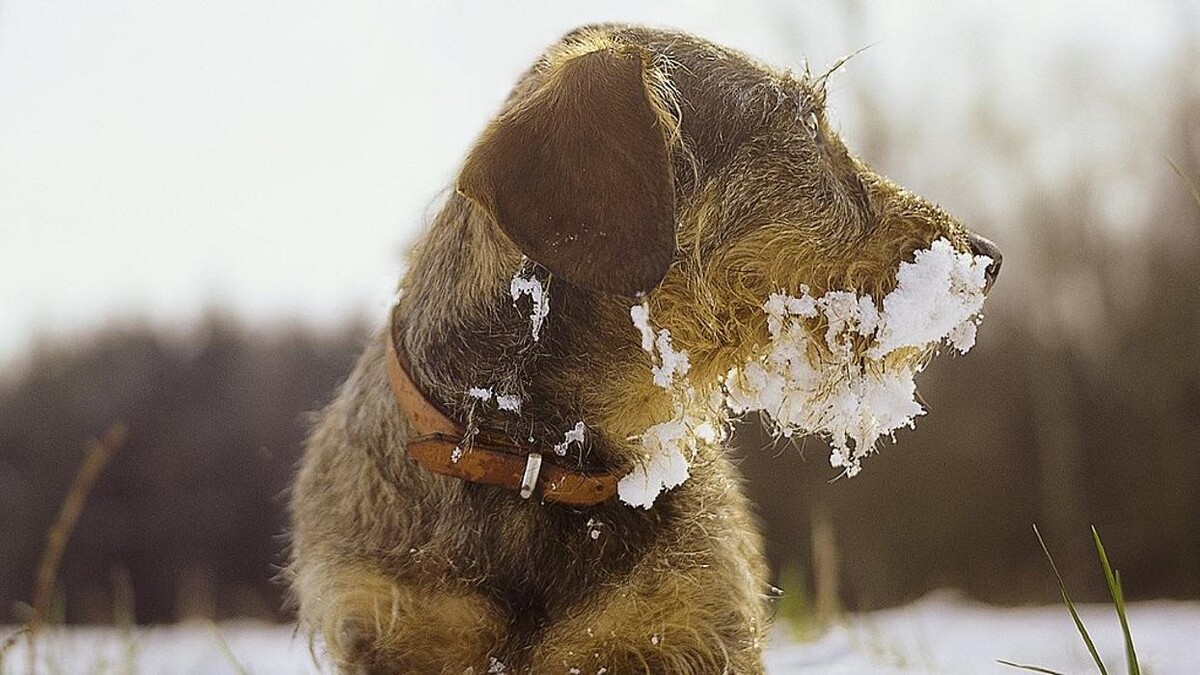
<point>984,246</point>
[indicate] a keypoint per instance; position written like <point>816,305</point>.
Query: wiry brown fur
<point>402,570</point>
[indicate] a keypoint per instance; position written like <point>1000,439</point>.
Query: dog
<point>628,165</point>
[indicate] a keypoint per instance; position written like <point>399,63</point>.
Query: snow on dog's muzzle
<point>856,382</point>
<point>840,366</point>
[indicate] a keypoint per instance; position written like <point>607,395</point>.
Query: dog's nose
<point>983,246</point>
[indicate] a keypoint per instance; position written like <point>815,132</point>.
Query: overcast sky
<point>157,158</point>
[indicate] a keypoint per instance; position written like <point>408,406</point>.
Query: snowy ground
<point>939,634</point>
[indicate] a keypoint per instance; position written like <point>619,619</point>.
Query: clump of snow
<point>641,320</point>
<point>839,383</point>
<point>848,391</point>
<point>667,445</point>
<point>456,454</point>
<point>593,528</point>
<point>667,464</point>
<point>525,283</point>
<point>509,402</point>
<point>709,432</point>
<point>938,296</point>
<point>670,365</point>
<point>496,667</point>
<point>573,435</point>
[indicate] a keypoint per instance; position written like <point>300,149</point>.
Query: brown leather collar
<point>440,444</point>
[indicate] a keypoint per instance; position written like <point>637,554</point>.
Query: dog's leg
<point>371,624</point>
<point>672,615</point>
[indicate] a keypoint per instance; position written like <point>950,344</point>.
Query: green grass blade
<point>1118,595</point>
<point>1032,669</point>
<point>1062,586</point>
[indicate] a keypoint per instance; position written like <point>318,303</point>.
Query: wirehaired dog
<point>627,163</point>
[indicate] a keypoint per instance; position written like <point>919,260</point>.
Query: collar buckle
<point>533,467</point>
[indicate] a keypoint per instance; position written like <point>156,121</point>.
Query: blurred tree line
<point>1080,405</point>
<point>188,517</point>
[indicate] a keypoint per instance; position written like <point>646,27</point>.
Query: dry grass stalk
<point>826,569</point>
<point>99,453</point>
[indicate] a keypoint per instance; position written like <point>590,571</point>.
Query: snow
<point>938,295</point>
<point>593,528</point>
<point>509,402</point>
<point>849,388</point>
<point>641,320</point>
<point>668,444</point>
<point>573,435</point>
<point>666,468</point>
<point>941,633</point>
<point>673,365</point>
<point>525,283</point>
<point>670,366</point>
<point>853,383</point>
<point>945,633</point>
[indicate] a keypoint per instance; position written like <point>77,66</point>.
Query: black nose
<point>983,246</point>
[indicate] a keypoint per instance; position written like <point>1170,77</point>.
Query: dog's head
<point>631,160</point>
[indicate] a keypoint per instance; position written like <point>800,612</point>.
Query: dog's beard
<point>840,367</point>
<point>837,366</point>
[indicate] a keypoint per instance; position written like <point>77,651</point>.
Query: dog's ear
<point>579,175</point>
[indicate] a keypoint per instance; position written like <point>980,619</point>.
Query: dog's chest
<point>532,553</point>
